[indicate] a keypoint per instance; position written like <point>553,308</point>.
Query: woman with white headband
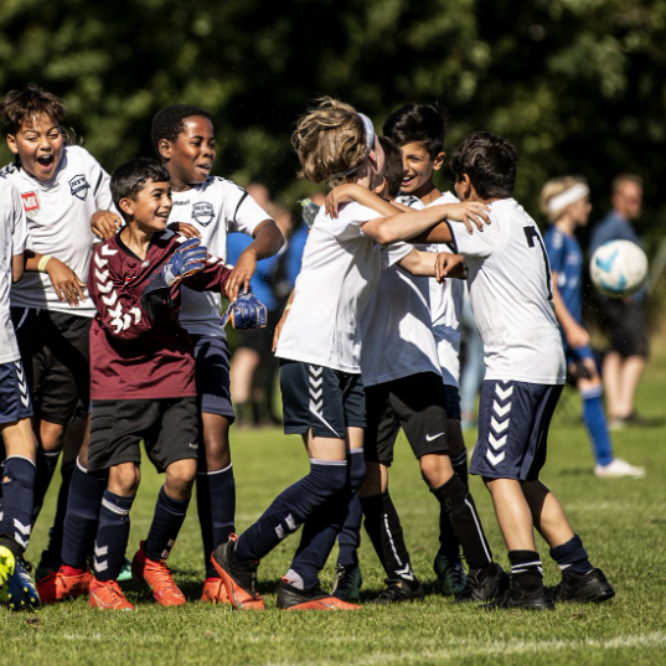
<point>319,349</point>
<point>566,202</point>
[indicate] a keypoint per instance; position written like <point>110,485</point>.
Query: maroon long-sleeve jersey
<point>138,349</point>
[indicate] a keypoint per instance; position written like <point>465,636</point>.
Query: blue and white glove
<point>187,260</point>
<point>246,314</point>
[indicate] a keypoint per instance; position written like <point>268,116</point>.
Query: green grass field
<point>623,523</point>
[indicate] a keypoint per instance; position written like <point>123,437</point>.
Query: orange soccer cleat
<point>157,575</point>
<point>66,583</point>
<point>107,595</point>
<point>314,598</point>
<point>214,592</point>
<point>239,579</point>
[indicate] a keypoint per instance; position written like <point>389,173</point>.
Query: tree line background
<point>578,85</point>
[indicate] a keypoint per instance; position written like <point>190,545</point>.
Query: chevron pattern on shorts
<point>499,423</point>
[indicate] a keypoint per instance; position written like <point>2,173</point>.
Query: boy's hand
<point>241,274</point>
<point>338,196</point>
<point>246,314</point>
<point>577,336</point>
<point>188,259</point>
<point>471,214</point>
<point>449,265</point>
<point>184,229</point>
<point>105,224</point>
<point>67,284</point>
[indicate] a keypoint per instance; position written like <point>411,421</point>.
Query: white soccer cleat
<point>617,469</point>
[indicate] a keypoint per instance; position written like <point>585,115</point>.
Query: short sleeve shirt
<point>566,260</point>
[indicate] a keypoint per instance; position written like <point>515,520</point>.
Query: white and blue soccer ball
<point>619,268</point>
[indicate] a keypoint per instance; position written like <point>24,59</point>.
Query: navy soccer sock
<point>382,524</point>
<point>526,570</point>
<point>449,546</point>
<point>597,426</point>
<point>349,538</point>
<point>459,506</point>
<point>18,482</point>
<point>292,508</point>
<point>571,557</point>
<point>112,535</point>
<point>216,504</point>
<point>86,491</point>
<point>47,461</point>
<point>168,519</point>
<point>51,556</point>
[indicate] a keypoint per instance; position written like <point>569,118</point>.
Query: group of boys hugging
<point>115,335</point>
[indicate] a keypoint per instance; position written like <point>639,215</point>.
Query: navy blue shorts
<point>452,402</point>
<point>15,403</point>
<point>514,418</point>
<point>212,375</point>
<point>320,399</point>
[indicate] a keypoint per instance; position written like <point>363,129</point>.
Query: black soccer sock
<point>167,520</point>
<point>349,539</point>
<point>572,557</point>
<point>52,555</point>
<point>459,506</point>
<point>526,570</point>
<point>291,508</point>
<point>382,524</point>
<point>86,491</point>
<point>47,461</point>
<point>112,535</point>
<point>449,546</point>
<point>18,482</point>
<point>216,504</point>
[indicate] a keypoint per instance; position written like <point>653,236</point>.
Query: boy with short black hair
<point>510,292</point>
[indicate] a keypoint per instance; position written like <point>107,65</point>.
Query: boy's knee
<point>124,479</point>
<point>180,477</point>
<point>375,481</point>
<point>329,477</point>
<point>436,469</point>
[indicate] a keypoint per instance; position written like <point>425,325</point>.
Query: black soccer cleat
<point>399,590</point>
<point>239,579</point>
<point>484,584</point>
<point>590,587</point>
<point>348,582</point>
<point>292,598</point>
<point>516,597</point>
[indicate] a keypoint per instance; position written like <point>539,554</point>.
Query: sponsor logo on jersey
<point>79,187</point>
<point>203,213</point>
<point>30,202</point>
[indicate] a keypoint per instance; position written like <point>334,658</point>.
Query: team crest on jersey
<point>79,187</point>
<point>30,202</point>
<point>203,213</point>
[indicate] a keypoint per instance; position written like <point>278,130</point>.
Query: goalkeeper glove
<point>246,314</point>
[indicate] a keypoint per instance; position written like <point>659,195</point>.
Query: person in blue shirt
<point>623,320</point>
<point>566,202</point>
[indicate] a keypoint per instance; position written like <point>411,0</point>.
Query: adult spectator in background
<point>623,320</point>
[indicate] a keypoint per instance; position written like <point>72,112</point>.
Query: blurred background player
<point>19,473</point>
<point>62,187</point>
<point>566,203</point>
<point>623,320</point>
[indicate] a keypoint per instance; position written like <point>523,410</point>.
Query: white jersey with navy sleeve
<point>340,269</point>
<point>215,207</point>
<point>12,242</point>
<point>510,292</point>
<point>58,214</point>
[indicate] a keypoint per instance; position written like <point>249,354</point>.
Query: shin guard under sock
<point>47,461</point>
<point>459,506</point>
<point>18,482</point>
<point>51,556</point>
<point>216,504</point>
<point>112,535</point>
<point>349,539</point>
<point>168,519</point>
<point>449,546</point>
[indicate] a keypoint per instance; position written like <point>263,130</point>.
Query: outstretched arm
<point>429,264</point>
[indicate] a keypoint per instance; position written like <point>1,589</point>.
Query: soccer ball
<point>619,268</point>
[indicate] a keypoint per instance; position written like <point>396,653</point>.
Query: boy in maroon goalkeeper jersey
<point>142,380</point>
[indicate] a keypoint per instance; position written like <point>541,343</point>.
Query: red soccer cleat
<point>106,595</point>
<point>240,580</point>
<point>214,592</point>
<point>157,575</point>
<point>66,583</point>
<point>291,598</point>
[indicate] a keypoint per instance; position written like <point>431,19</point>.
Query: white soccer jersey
<point>340,269</point>
<point>511,297</point>
<point>58,213</point>
<point>215,207</point>
<point>12,242</point>
<point>446,301</point>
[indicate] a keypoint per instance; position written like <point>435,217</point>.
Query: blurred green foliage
<point>578,85</point>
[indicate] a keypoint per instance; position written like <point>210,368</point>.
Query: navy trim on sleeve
<point>453,242</point>
<point>239,205</point>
